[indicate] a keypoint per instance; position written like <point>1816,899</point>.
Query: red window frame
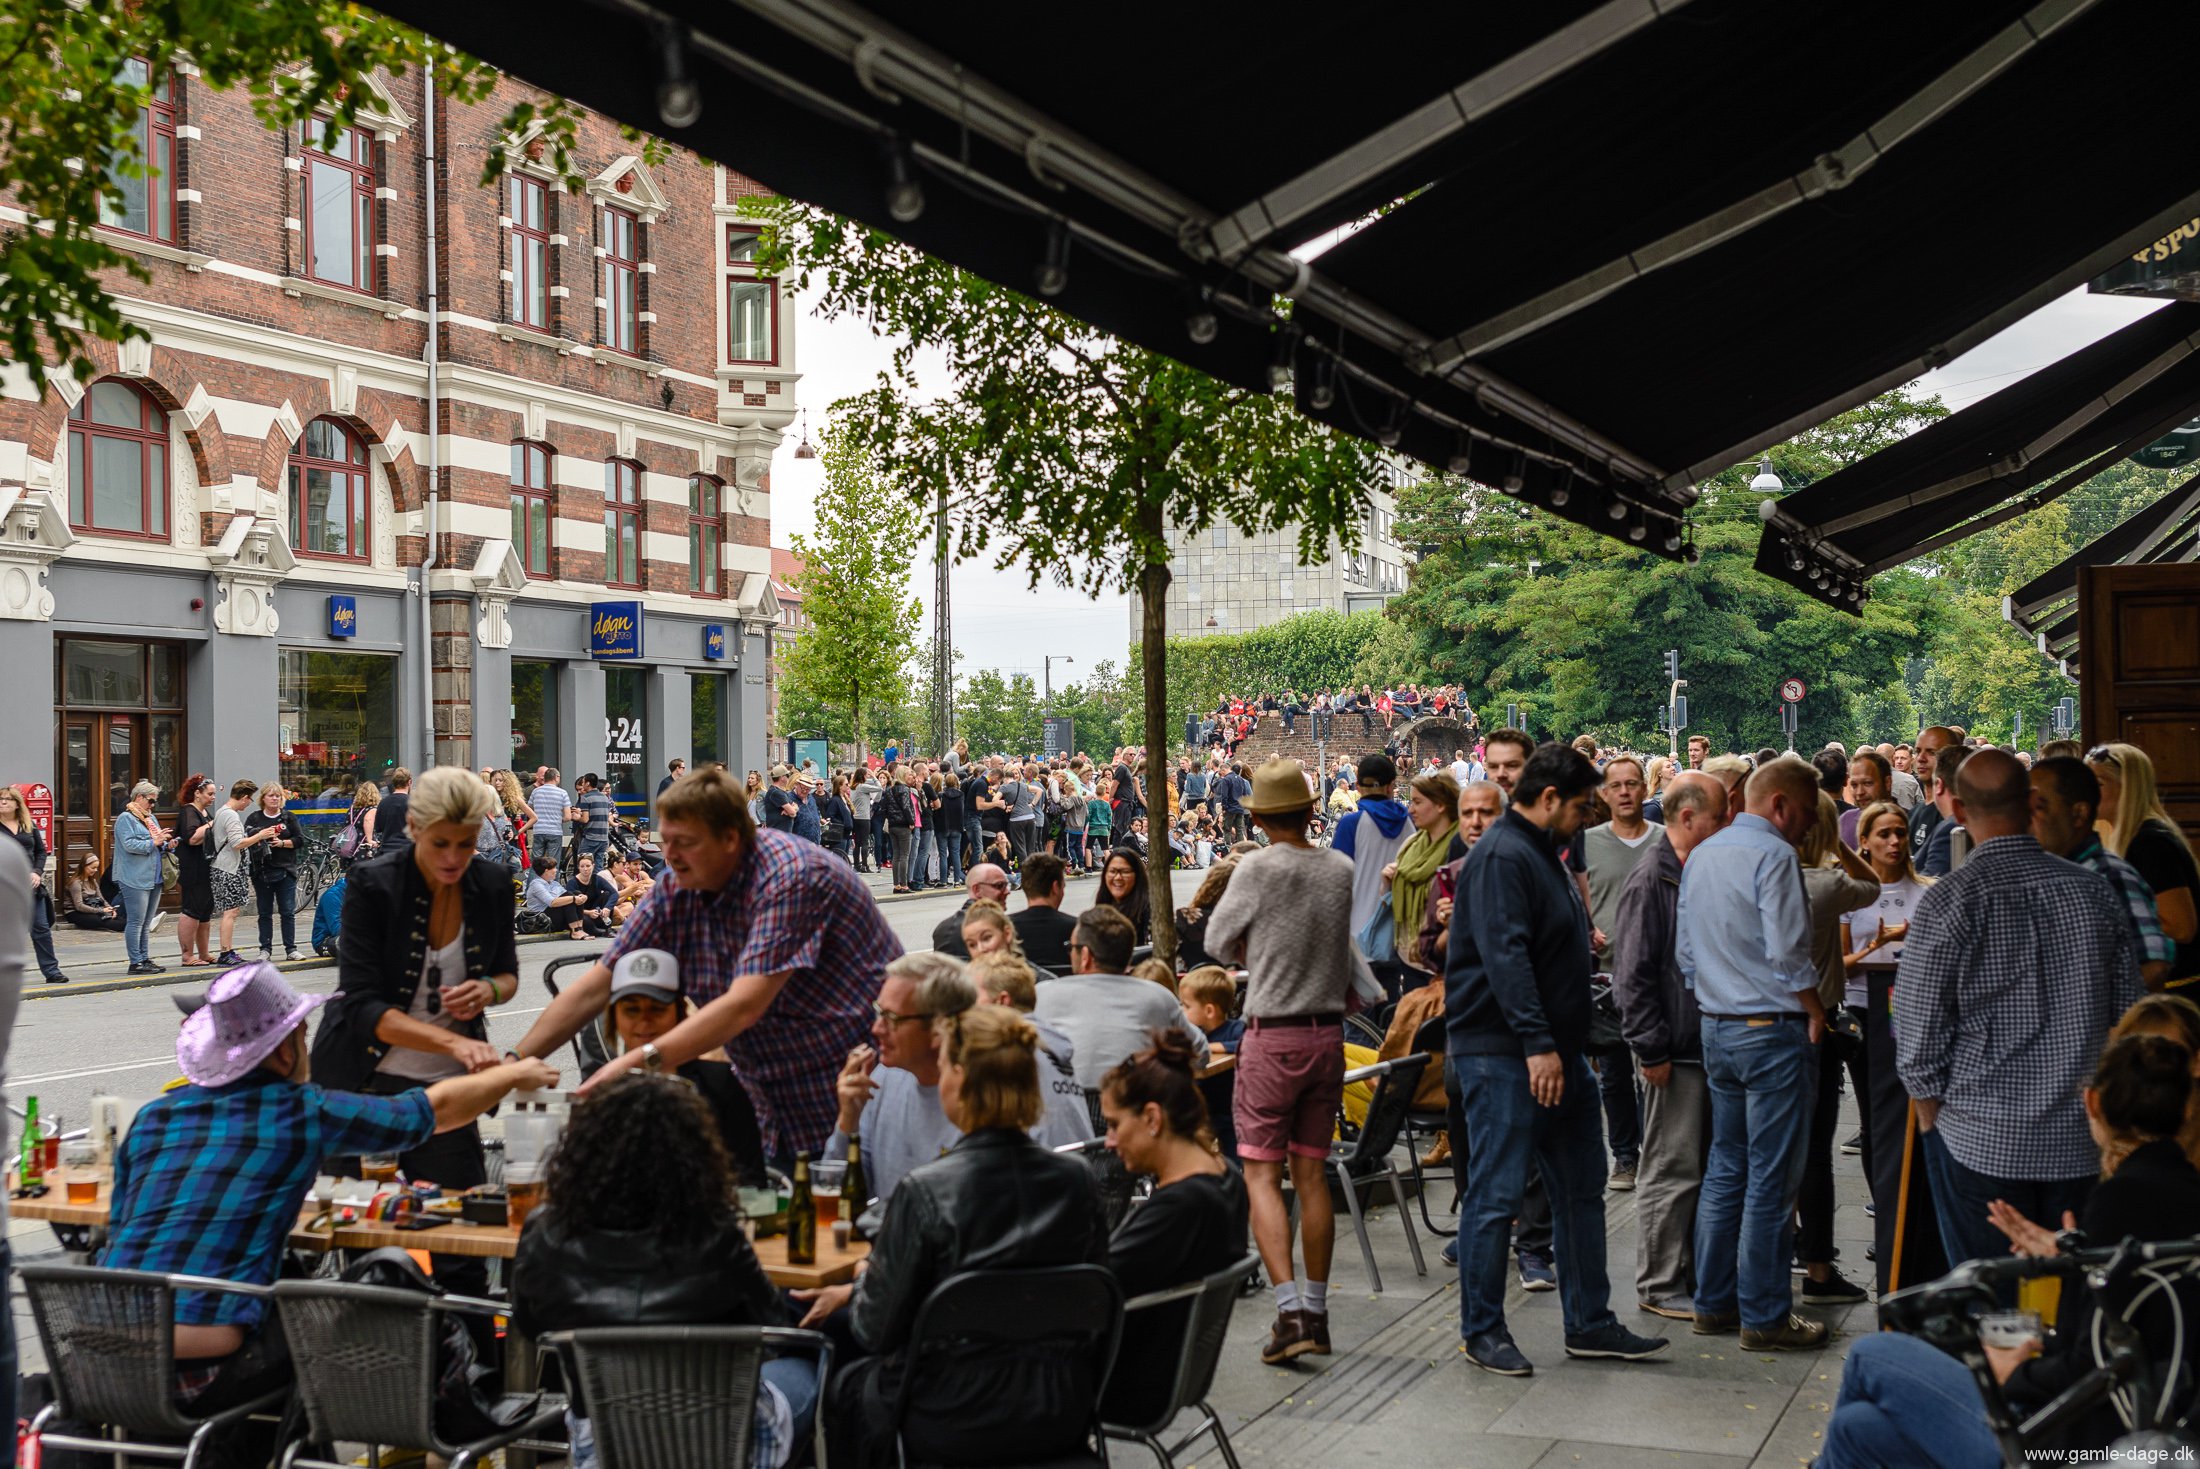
<point>621,233</point>
<point>527,202</point>
<point>358,164</point>
<point>706,536</point>
<point>531,488</point>
<point>741,272</point>
<point>156,132</point>
<point>150,435</point>
<point>622,521</point>
<point>349,472</point>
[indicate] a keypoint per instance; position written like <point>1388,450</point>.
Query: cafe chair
<point>677,1397</point>
<point>1069,1311</point>
<point>589,1048</point>
<point>1200,1338</point>
<point>109,1338</point>
<point>368,1371</point>
<point>1364,1160</point>
<point>1118,1189</point>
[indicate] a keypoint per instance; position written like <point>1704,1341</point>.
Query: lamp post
<point>1050,660</point>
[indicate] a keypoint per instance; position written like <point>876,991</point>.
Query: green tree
<point>854,655</point>
<point>999,714</point>
<point>1063,452</point>
<point>1104,707</point>
<point>68,119</point>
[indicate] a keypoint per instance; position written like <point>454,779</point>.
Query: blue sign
<point>714,641</point>
<point>615,630</point>
<point>343,616</point>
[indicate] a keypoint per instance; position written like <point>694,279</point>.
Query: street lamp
<point>805,450</point>
<point>1051,660</point>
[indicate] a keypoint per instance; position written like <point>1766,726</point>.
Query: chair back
<point>672,1397</point>
<point>1212,1301</point>
<point>590,1049</point>
<point>366,1357</point>
<point>1073,1312</point>
<point>110,1340</point>
<point>1118,1188</point>
<point>1395,1085</point>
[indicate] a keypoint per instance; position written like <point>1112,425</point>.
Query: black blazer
<point>384,944</point>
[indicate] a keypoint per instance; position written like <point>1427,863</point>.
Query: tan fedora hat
<point>1278,785</point>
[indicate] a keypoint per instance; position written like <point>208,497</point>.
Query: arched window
<point>705,528</point>
<point>118,463</point>
<point>622,523</point>
<point>531,507</point>
<point>328,492</point>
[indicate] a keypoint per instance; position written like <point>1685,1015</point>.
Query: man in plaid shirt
<point>2065,798</point>
<point>781,949</point>
<point>2015,967</point>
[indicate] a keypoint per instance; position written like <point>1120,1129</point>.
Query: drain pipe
<point>435,438</point>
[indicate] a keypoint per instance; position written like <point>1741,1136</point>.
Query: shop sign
<point>343,616</point>
<point>38,805</point>
<point>714,641</point>
<point>615,630</point>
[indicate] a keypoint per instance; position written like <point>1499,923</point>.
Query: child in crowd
<point>1208,995</point>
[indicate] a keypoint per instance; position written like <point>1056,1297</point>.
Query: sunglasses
<point>2103,755</point>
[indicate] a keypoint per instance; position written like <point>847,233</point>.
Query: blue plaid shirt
<point>210,1180</point>
<point>2155,946</point>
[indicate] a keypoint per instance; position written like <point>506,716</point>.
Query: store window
<point>146,204</point>
<point>622,523</point>
<point>752,301</point>
<point>528,205</point>
<point>118,462</point>
<point>531,507</point>
<point>328,492</point>
<point>623,751</point>
<point>621,236</point>
<point>707,697</point>
<point>335,722</point>
<point>339,207</point>
<point>705,530</point>
<point>535,717</point>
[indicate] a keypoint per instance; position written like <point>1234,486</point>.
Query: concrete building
<point>304,531</point>
<point>1223,581</point>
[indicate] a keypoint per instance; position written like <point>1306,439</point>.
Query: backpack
<point>349,839</point>
<point>468,1404</point>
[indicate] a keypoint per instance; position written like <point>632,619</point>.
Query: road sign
<point>1512,716</point>
<point>1059,733</point>
<point>1680,712</point>
<point>1793,689</point>
<point>38,805</point>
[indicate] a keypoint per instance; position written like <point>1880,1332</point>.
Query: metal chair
<point>1118,1188</point>
<point>1071,1311</point>
<point>1201,1336</point>
<point>672,1397</point>
<point>590,1050</point>
<point>1420,1124</point>
<point>109,1338</point>
<point>367,1373</point>
<point>1365,1159</point>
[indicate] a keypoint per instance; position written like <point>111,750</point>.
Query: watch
<point>651,1058</point>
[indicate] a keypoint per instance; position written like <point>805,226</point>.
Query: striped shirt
<point>2155,946</point>
<point>549,803</point>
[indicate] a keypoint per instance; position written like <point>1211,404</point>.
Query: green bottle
<point>855,1192</point>
<point>802,1216</point>
<point>32,1174</point>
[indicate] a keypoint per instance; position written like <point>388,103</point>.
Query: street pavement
<point>1395,1391</point>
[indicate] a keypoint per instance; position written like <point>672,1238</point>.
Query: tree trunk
<point>1153,593</point>
<point>855,716</point>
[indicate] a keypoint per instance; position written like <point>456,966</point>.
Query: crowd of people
<point>1235,717</point>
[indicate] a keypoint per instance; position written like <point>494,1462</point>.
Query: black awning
<point>1638,241</point>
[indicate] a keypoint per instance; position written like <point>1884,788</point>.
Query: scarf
<point>1418,860</point>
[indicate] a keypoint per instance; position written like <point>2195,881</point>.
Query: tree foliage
<point>1309,651</point>
<point>852,660</point>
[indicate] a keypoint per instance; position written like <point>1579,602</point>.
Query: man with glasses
<point>1106,1012</point>
<point>889,1091</point>
<point>988,881</point>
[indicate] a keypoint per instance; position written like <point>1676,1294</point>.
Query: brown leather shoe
<point>1716,1323</point>
<point>1316,1325</point>
<point>1796,1334</point>
<point>1287,1338</point>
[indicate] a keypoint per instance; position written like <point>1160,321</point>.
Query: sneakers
<point>1493,1351</point>
<point>229,959</point>
<point>1616,1342</point>
<point>1672,1308</point>
<point>1288,1338</point>
<point>1316,1326</point>
<point>1717,1323</point>
<point>1792,1335</point>
<point>290,956</point>
<point>1854,1147</point>
<point>1622,1180</point>
<point>57,977</point>
<point>1451,1253</point>
<point>1536,1273</point>
<point>1871,1211</point>
<point>1834,1290</point>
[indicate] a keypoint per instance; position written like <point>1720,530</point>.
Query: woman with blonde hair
<point>15,822</point>
<point>987,930</point>
<point>364,799</point>
<point>2138,830</point>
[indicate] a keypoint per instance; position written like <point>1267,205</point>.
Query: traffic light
<point>1672,665</point>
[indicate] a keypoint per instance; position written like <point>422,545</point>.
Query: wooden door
<point>101,757</point>
<point>2139,635</point>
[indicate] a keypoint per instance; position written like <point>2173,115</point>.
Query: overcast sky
<point>999,623</point>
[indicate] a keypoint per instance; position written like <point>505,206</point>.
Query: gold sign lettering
<point>2169,244</point>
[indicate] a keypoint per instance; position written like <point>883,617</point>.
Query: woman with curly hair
<point>617,1245</point>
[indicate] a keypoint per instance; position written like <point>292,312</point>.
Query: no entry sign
<point>1792,690</point>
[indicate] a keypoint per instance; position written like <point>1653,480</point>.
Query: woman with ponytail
<point>1193,1225</point>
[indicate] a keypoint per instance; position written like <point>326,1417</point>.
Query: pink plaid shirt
<point>792,908</point>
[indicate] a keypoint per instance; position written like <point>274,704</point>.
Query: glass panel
<point>519,524</point>
<point>630,570</point>
<point>132,73</point>
<point>104,673</point>
<point>321,526</point>
<point>705,692</point>
<point>710,560</point>
<point>122,756</point>
<point>166,770</point>
<point>162,196</point>
<point>534,305</point>
<point>157,521</point>
<point>118,484</point>
<point>336,722</point>
<point>622,737</point>
<point>534,713</point>
<point>167,661</point>
<point>518,464</point>
<point>364,202</point>
<point>76,479</point>
<point>538,537</point>
<point>537,198</point>
<point>113,403</point>
<point>356,495</point>
<point>323,440</point>
<point>329,227</point>
<point>748,321</point>
<point>122,202</point>
<point>513,195</point>
<point>610,544</point>
<point>740,247</point>
<point>76,771</point>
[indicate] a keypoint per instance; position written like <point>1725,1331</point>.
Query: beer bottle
<point>802,1216</point>
<point>855,1191</point>
<point>32,1174</point>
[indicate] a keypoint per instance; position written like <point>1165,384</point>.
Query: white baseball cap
<point>651,973</point>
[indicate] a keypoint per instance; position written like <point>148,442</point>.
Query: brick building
<point>307,532</point>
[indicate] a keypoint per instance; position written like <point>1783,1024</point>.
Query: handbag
<point>1605,1036</point>
<point>1378,937</point>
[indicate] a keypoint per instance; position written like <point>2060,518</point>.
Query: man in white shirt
<point>1108,1014</point>
<point>1465,771</point>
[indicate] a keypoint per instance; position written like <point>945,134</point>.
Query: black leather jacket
<point>563,1279</point>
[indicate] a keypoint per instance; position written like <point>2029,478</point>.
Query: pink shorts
<point>1290,1083</point>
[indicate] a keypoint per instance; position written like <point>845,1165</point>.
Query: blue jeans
<point>1505,1129</point>
<point>138,907</point>
<point>1763,1079</point>
<point>1960,1198</point>
<point>951,857</point>
<point>795,1377</point>
<point>1622,1107</point>
<point>973,835</point>
<point>1904,1403</point>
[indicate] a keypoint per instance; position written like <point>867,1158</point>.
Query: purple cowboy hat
<point>248,1012</point>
